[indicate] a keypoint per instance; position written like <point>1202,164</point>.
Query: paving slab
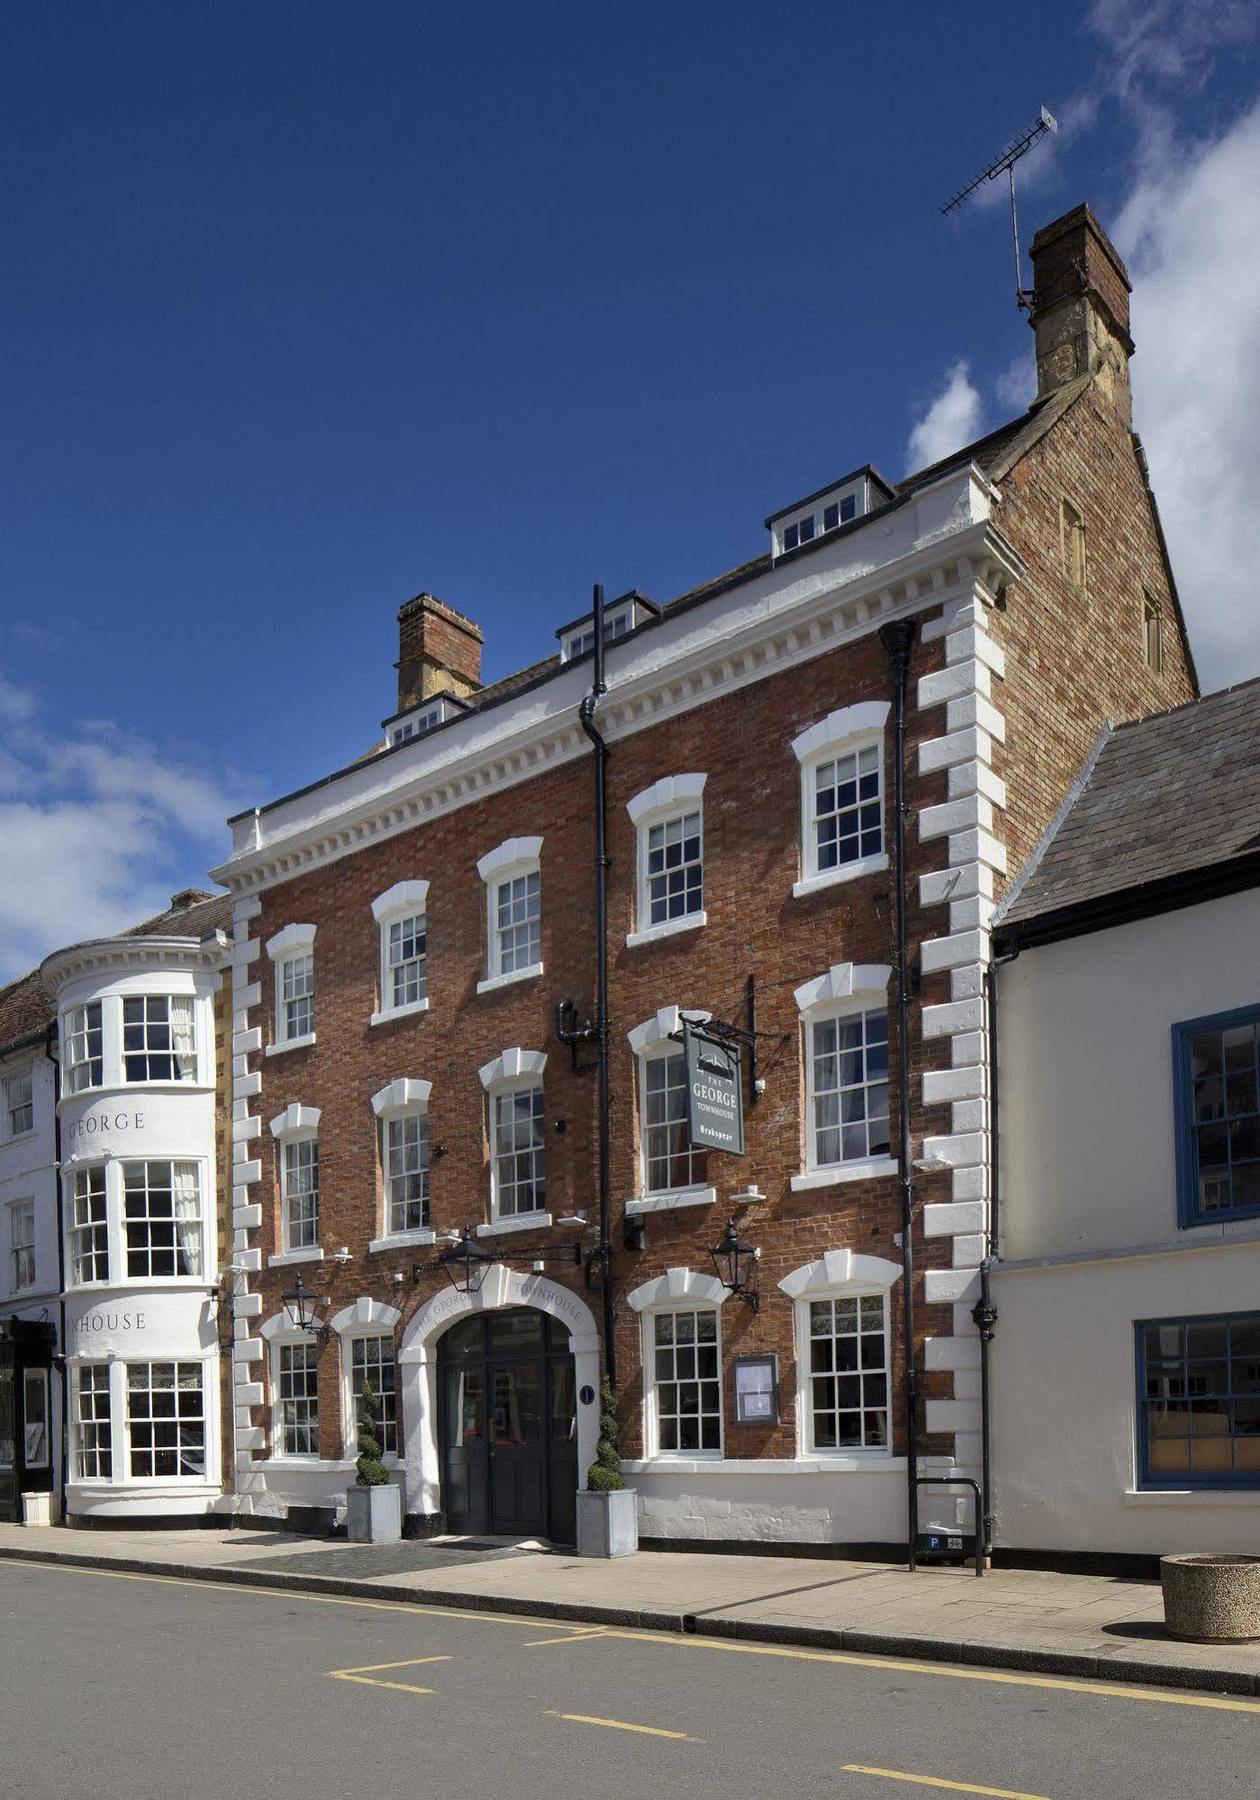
<point>1025,1619</point>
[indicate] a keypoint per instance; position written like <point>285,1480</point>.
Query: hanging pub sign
<point>715,1092</point>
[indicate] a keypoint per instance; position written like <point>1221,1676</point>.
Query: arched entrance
<point>423,1403</point>
<point>507,1426</point>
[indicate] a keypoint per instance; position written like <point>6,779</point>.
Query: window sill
<point>18,1137</point>
<point>283,1258</point>
<point>391,1013</point>
<point>1224,1496</point>
<point>531,1221</point>
<point>871,1462</point>
<point>671,1201</point>
<point>324,1465</point>
<point>166,1087</point>
<point>297,1043</point>
<point>814,884</point>
<point>1238,1215</point>
<point>867,1170</point>
<point>401,1240</point>
<point>653,934</point>
<point>493,983</point>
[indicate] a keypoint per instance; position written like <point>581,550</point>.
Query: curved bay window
<point>162,1219</point>
<point>166,1420</point>
<point>159,1043</point>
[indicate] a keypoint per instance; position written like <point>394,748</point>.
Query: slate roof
<point>26,1007</point>
<point>1162,804</point>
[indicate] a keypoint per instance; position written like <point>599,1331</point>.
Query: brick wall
<point>1072,657</point>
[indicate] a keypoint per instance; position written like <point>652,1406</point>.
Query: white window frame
<point>836,1275</point>
<point>290,1340</point>
<point>103,1447</point>
<point>171,1001</point>
<point>649,1042</point>
<point>295,1125</point>
<point>13,1085</point>
<point>77,1030</point>
<point>678,1290</point>
<point>108,1172</point>
<point>405,900</point>
<point>209,1421</point>
<point>116,1169</point>
<point>403,1098</point>
<point>20,1209</point>
<point>512,1072</point>
<point>508,861</point>
<point>294,943</point>
<point>69,1178</point>
<point>843,733</point>
<point>846,989</point>
<point>673,797</point>
<point>366,1318</point>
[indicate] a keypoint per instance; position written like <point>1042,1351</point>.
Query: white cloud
<point>98,832</point>
<point>952,420</point>
<point>1191,236</point>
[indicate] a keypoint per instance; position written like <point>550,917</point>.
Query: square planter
<point>38,1509</point>
<point>374,1514</point>
<point>608,1524</point>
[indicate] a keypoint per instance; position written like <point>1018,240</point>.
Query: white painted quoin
<point>1092,1240</point>
<point>140,1204</point>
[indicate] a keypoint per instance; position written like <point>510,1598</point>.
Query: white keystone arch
<point>418,1360</point>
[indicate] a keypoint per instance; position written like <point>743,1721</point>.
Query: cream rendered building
<point>1126,1361</point>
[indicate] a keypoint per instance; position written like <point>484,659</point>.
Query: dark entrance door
<point>26,1461</point>
<point>507,1425</point>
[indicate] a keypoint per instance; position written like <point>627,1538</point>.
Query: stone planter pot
<point>608,1524</point>
<point>374,1514</point>
<point>1211,1599</point>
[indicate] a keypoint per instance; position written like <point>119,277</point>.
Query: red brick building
<point>406,929</point>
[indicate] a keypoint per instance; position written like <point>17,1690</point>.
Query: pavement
<point>1087,1626</point>
<point>139,1686</point>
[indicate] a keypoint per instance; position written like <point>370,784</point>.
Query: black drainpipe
<point>49,1035</point>
<point>586,718</point>
<point>984,1312</point>
<point>897,637</point>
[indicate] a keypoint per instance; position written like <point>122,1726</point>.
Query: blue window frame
<point>1216,1088</point>
<point>1198,1384</point>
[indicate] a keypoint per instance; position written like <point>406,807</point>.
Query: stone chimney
<point>438,649</point>
<point>1080,307</point>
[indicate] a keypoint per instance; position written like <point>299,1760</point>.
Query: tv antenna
<point>1005,164</point>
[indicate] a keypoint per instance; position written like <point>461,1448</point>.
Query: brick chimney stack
<point>1080,308</point>
<point>438,649</point>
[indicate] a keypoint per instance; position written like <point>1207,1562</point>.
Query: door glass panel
<point>563,1410</point>
<point>516,1330</point>
<point>463,1339</point>
<point>468,1418</point>
<point>36,1422</point>
<point>518,1405</point>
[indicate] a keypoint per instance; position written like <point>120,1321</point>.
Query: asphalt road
<point>116,1687</point>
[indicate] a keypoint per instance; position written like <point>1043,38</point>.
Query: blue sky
<point>309,307</point>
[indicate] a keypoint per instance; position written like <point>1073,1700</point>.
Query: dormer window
<point>405,726</point>
<point>620,618</point>
<point>826,511</point>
